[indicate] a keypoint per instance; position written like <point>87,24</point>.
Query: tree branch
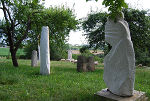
<point>8,14</point>
<point>6,11</point>
<point>24,35</point>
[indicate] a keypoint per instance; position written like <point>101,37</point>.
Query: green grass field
<point>63,84</point>
<point>5,52</point>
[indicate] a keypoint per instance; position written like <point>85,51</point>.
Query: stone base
<point>105,95</point>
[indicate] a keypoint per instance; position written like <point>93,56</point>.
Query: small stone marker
<point>85,64</point>
<point>105,95</point>
<point>69,55</point>
<point>44,52</point>
<point>39,52</point>
<point>34,58</point>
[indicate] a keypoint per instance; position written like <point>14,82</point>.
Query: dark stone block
<point>85,64</point>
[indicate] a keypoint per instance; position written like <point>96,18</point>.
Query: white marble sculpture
<point>44,52</point>
<point>70,55</point>
<point>119,63</point>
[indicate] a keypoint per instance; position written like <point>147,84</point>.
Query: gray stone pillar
<point>44,52</point>
<point>34,58</point>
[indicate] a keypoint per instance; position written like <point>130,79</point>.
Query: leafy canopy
<point>60,21</point>
<point>114,7</point>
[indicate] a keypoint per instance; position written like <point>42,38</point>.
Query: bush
<point>75,56</point>
<point>99,59</point>
<point>84,49</point>
<point>57,53</point>
<point>96,57</point>
<point>142,57</point>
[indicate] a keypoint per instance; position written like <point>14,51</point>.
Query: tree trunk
<point>14,58</point>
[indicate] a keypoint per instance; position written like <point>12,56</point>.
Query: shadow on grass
<point>74,70</point>
<point>7,80</point>
<point>35,74</point>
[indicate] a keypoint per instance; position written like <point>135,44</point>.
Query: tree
<point>114,7</point>
<point>60,21</point>
<point>94,27</point>
<point>139,24</point>
<point>19,15</point>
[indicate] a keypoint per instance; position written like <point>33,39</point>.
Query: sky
<point>82,8</point>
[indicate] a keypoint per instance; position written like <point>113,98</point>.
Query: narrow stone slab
<point>34,62</point>
<point>105,95</point>
<point>44,52</point>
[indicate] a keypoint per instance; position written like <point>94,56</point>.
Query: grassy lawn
<point>63,84</point>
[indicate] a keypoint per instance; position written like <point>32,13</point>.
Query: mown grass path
<point>63,84</point>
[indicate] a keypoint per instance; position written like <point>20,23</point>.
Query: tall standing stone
<point>44,52</point>
<point>119,63</point>
<point>70,55</point>
<point>34,58</point>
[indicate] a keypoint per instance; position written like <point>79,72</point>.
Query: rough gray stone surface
<point>105,95</point>
<point>81,64</point>
<point>44,52</point>
<point>90,63</point>
<point>34,60</point>
<point>119,63</point>
<point>85,64</point>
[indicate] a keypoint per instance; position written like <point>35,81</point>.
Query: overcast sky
<point>82,8</point>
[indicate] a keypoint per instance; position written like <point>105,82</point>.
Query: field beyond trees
<point>63,84</point>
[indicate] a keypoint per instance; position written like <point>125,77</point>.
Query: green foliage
<point>22,12</point>
<point>60,21</point>
<point>139,24</point>
<point>115,7</point>
<point>84,49</point>
<point>29,48</point>
<point>75,56</point>
<point>4,52</point>
<point>94,27</point>
<point>57,53</point>
<point>143,57</point>
<point>19,19</point>
<point>64,83</point>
